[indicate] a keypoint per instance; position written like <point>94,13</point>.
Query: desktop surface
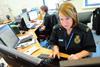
<point>86,62</point>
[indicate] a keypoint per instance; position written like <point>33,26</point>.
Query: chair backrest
<point>20,59</point>
<point>85,17</point>
<point>54,19</point>
<point>50,21</point>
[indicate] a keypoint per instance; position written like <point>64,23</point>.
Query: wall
<point>3,9</point>
<point>14,7</point>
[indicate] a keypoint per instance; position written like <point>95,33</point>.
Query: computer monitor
<point>18,19</point>
<point>25,17</point>
<point>22,25</point>
<point>24,10</point>
<point>33,15</point>
<point>27,22</point>
<point>19,59</point>
<point>1,42</point>
<point>8,36</point>
<point>21,21</point>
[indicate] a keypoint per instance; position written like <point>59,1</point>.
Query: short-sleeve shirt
<point>81,38</point>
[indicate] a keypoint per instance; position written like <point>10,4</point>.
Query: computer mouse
<point>23,32</point>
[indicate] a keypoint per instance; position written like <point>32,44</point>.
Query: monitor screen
<point>25,17</point>
<point>22,25</point>
<point>1,42</point>
<point>33,15</point>
<point>18,19</point>
<point>8,36</point>
<point>18,58</point>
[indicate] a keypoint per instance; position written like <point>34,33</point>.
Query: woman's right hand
<point>55,52</point>
<point>42,28</point>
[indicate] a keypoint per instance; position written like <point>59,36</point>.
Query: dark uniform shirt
<point>81,38</point>
<point>43,32</point>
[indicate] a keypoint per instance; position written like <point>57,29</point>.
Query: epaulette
<point>84,27</point>
<point>55,26</point>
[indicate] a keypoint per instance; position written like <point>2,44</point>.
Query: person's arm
<point>42,27</point>
<point>45,23</point>
<point>79,55</point>
<point>55,51</point>
<point>88,46</point>
<point>53,42</point>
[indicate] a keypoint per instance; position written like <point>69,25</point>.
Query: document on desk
<point>31,50</point>
<point>25,38</point>
<point>25,44</point>
<point>31,25</point>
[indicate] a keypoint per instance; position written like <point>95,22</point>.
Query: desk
<point>41,50</point>
<point>5,22</point>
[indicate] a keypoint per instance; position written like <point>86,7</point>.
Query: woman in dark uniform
<point>70,36</point>
<point>42,31</point>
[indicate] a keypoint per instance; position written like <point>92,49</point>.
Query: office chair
<point>18,59</point>
<point>49,22</point>
<point>85,17</point>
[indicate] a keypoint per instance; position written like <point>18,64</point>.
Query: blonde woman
<point>70,36</point>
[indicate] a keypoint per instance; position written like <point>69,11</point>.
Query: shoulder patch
<point>56,26</point>
<point>84,27</point>
<point>87,29</point>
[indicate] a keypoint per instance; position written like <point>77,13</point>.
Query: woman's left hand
<point>73,57</point>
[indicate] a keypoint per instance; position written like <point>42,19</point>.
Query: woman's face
<point>41,11</point>
<point>65,21</point>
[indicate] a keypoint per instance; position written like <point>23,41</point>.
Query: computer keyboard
<point>31,25</point>
<point>46,59</point>
<point>43,56</point>
<point>31,50</point>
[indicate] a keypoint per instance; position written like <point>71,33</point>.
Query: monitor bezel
<point>14,45</point>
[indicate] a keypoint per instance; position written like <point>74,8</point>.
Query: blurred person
<point>43,12</point>
<point>43,31</point>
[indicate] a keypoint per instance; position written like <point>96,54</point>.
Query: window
<point>91,3</point>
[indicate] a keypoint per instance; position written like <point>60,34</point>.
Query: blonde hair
<point>68,9</point>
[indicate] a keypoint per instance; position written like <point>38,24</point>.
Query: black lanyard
<point>66,47</point>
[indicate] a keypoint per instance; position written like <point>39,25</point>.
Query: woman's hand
<point>42,28</point>
<point>55,52</point>
<point>79,55</point>
<point>73,57</point>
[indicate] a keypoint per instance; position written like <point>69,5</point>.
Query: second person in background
<point>43,13</point>
<point>43,31</point>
